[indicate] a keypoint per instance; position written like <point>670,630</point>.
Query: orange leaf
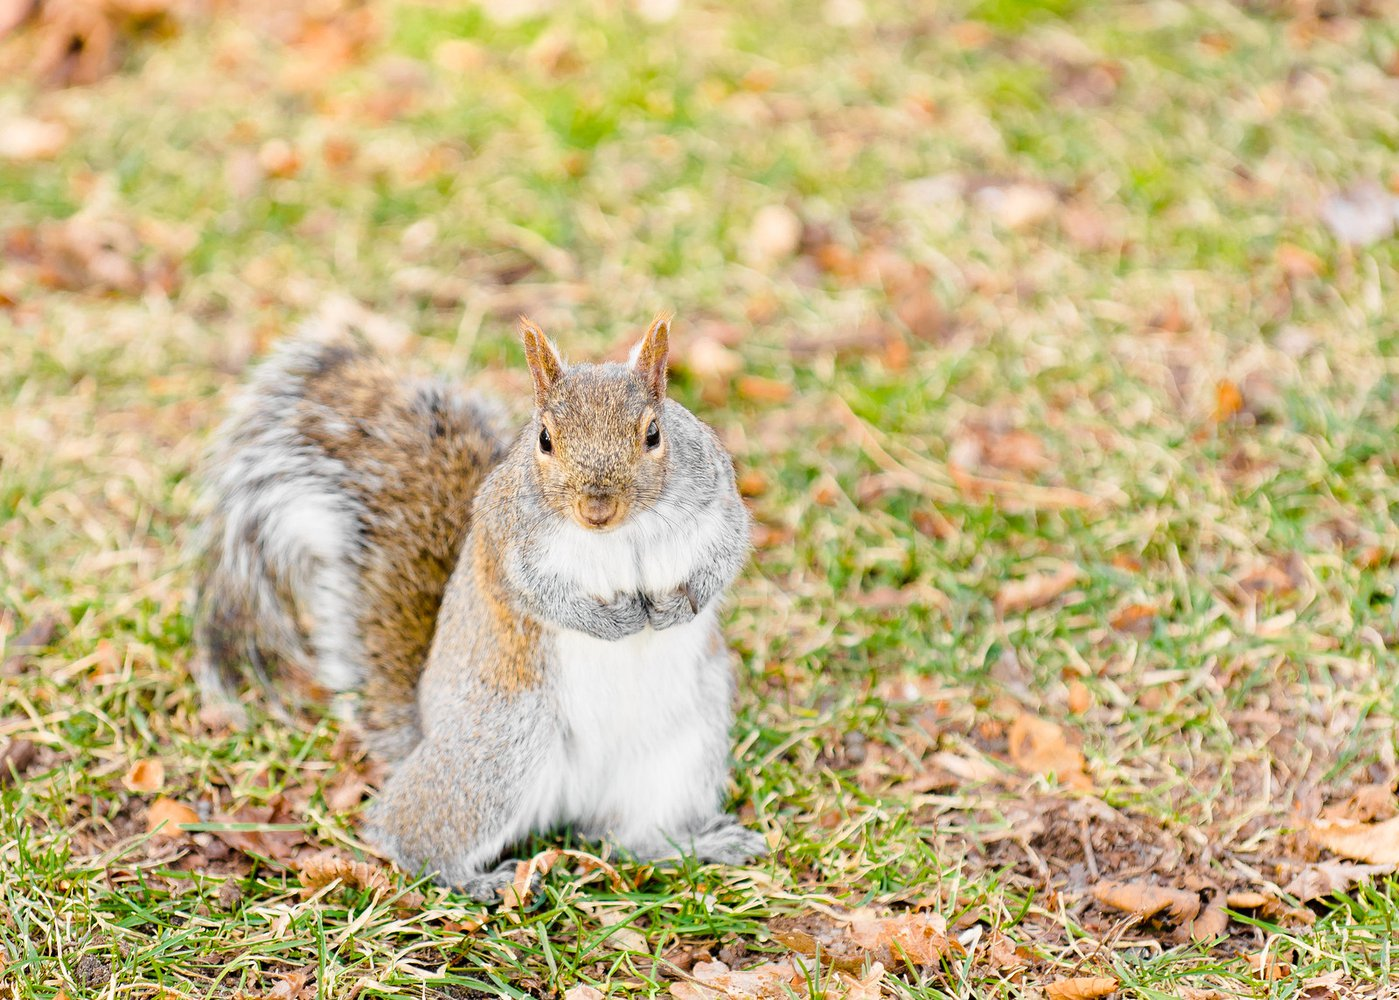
<point>145,776</point>
<point>1081,988</point>
<point>1038,746</point>
<point>1228,400</point>
<point>1036,590</point>
<point>1148,900</point>
<point>165,816</point>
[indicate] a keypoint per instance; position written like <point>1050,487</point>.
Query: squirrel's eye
<point>546,443</point>
<point>653,435</point>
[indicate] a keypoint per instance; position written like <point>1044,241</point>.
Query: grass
<point>449,170</point>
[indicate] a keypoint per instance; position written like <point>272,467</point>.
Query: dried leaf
<point>583,993</point>
<point>1038,746</point>
<point>1036,590</point>
<point>517,893</point>
<point>1247,900</point>
<point>1297,263</point>
<point>914,938</point>
<point>1228,400</point>
<point>164,817</point>
<point>1367,804</point>
<point>764,390</point>
<point>1210,925</point>
<point>1081,988</point>
<point>1375,843</point>
<point>1080,698</point>
<point>145,776</point>
<point>15,757</point>
<point>1326,878</point>
<point>1148,900</point>
<point>776,234</point>
<point>1133,618</point>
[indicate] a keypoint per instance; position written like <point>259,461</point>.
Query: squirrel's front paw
<point>675,608</point>
<point>625,615</point>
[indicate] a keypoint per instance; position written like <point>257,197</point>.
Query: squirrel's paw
<point>675,608</point>
<point>491,886</point>
<point>724,841</point>
<point>623,616</point>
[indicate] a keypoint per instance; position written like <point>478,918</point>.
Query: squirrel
<point>529,619</point>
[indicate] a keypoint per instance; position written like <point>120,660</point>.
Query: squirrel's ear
<point>648,358</point>
<point>545,365</point>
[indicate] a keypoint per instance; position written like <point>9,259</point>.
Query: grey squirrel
<point>529,619</point>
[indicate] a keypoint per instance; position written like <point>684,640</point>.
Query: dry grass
<point>973,294</point>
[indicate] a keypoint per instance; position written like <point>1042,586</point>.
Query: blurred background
<point>1055,342</point>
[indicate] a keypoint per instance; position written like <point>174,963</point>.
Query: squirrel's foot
<point>491,886</point>
<point>724,841</point>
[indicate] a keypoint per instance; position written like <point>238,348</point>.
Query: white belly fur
<point>631,743</point>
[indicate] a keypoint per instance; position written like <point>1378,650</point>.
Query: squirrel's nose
<point>597,512</point>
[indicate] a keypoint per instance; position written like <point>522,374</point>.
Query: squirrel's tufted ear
<point>648,358</point>
<point>545,365</point>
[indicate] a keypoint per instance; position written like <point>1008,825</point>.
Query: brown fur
<point>428,465</point>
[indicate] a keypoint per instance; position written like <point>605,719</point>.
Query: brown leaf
<point>145,776</point>
<point>582,992</point>
<point>36,635</point>
<point>276,844</point>
<point>1247,900</point>
<point>764,390</point>
<point>165,816</point>
<point>775,234</point>
<point>1367,804</point>
<point>1375,843</point>
<point>1148,900</point>
<point>1081,988</point>
<point>918,939</point>
<point>1036,590</point>
<point>1210,925</point>
<point>1038,746</point>
<point>321,870</point>
<point>515,895</point>
<point>1133,618</point>
<point>1080,698</point>
<point>1297,263</point>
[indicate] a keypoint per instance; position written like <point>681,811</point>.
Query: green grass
<point>590,166</point>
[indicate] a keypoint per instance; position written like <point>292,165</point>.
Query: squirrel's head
<point>599,434</point>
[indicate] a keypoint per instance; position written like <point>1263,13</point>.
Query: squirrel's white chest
<point>654,553</point>
<point>632,729</point>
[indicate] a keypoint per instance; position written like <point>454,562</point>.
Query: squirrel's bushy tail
<point>337,498</point>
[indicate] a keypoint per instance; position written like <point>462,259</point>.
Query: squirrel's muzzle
<point>597,512</point>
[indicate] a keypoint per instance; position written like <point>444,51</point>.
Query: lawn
<point>1056,345</point>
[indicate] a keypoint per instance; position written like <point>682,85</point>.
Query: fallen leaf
<point>1133,618</point>
<point>1375,843</point>
<point>26,139</point>
<point>1326,878</point>
<point>164,817</point>
<point>1269,966</point>
<point>1367,804</point>
<point>1018,206</point>
<point>1080,698</point>
<point>1148,900</point>
<point>145,776</point>
<point>320,870</point>
<point>1035,591</point>
<point>583,993</point>
<point>515,895</point>
<point>1038,746</point>
<point>775,234</point>
<point>771,981</point>
<point>1081,988</point>
<point>1210,925</point>
<point>1228,400</point>
<point>1297,263</point>
<point>1247,900</point>
<point>764,390</point>
<point>917,939</point>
